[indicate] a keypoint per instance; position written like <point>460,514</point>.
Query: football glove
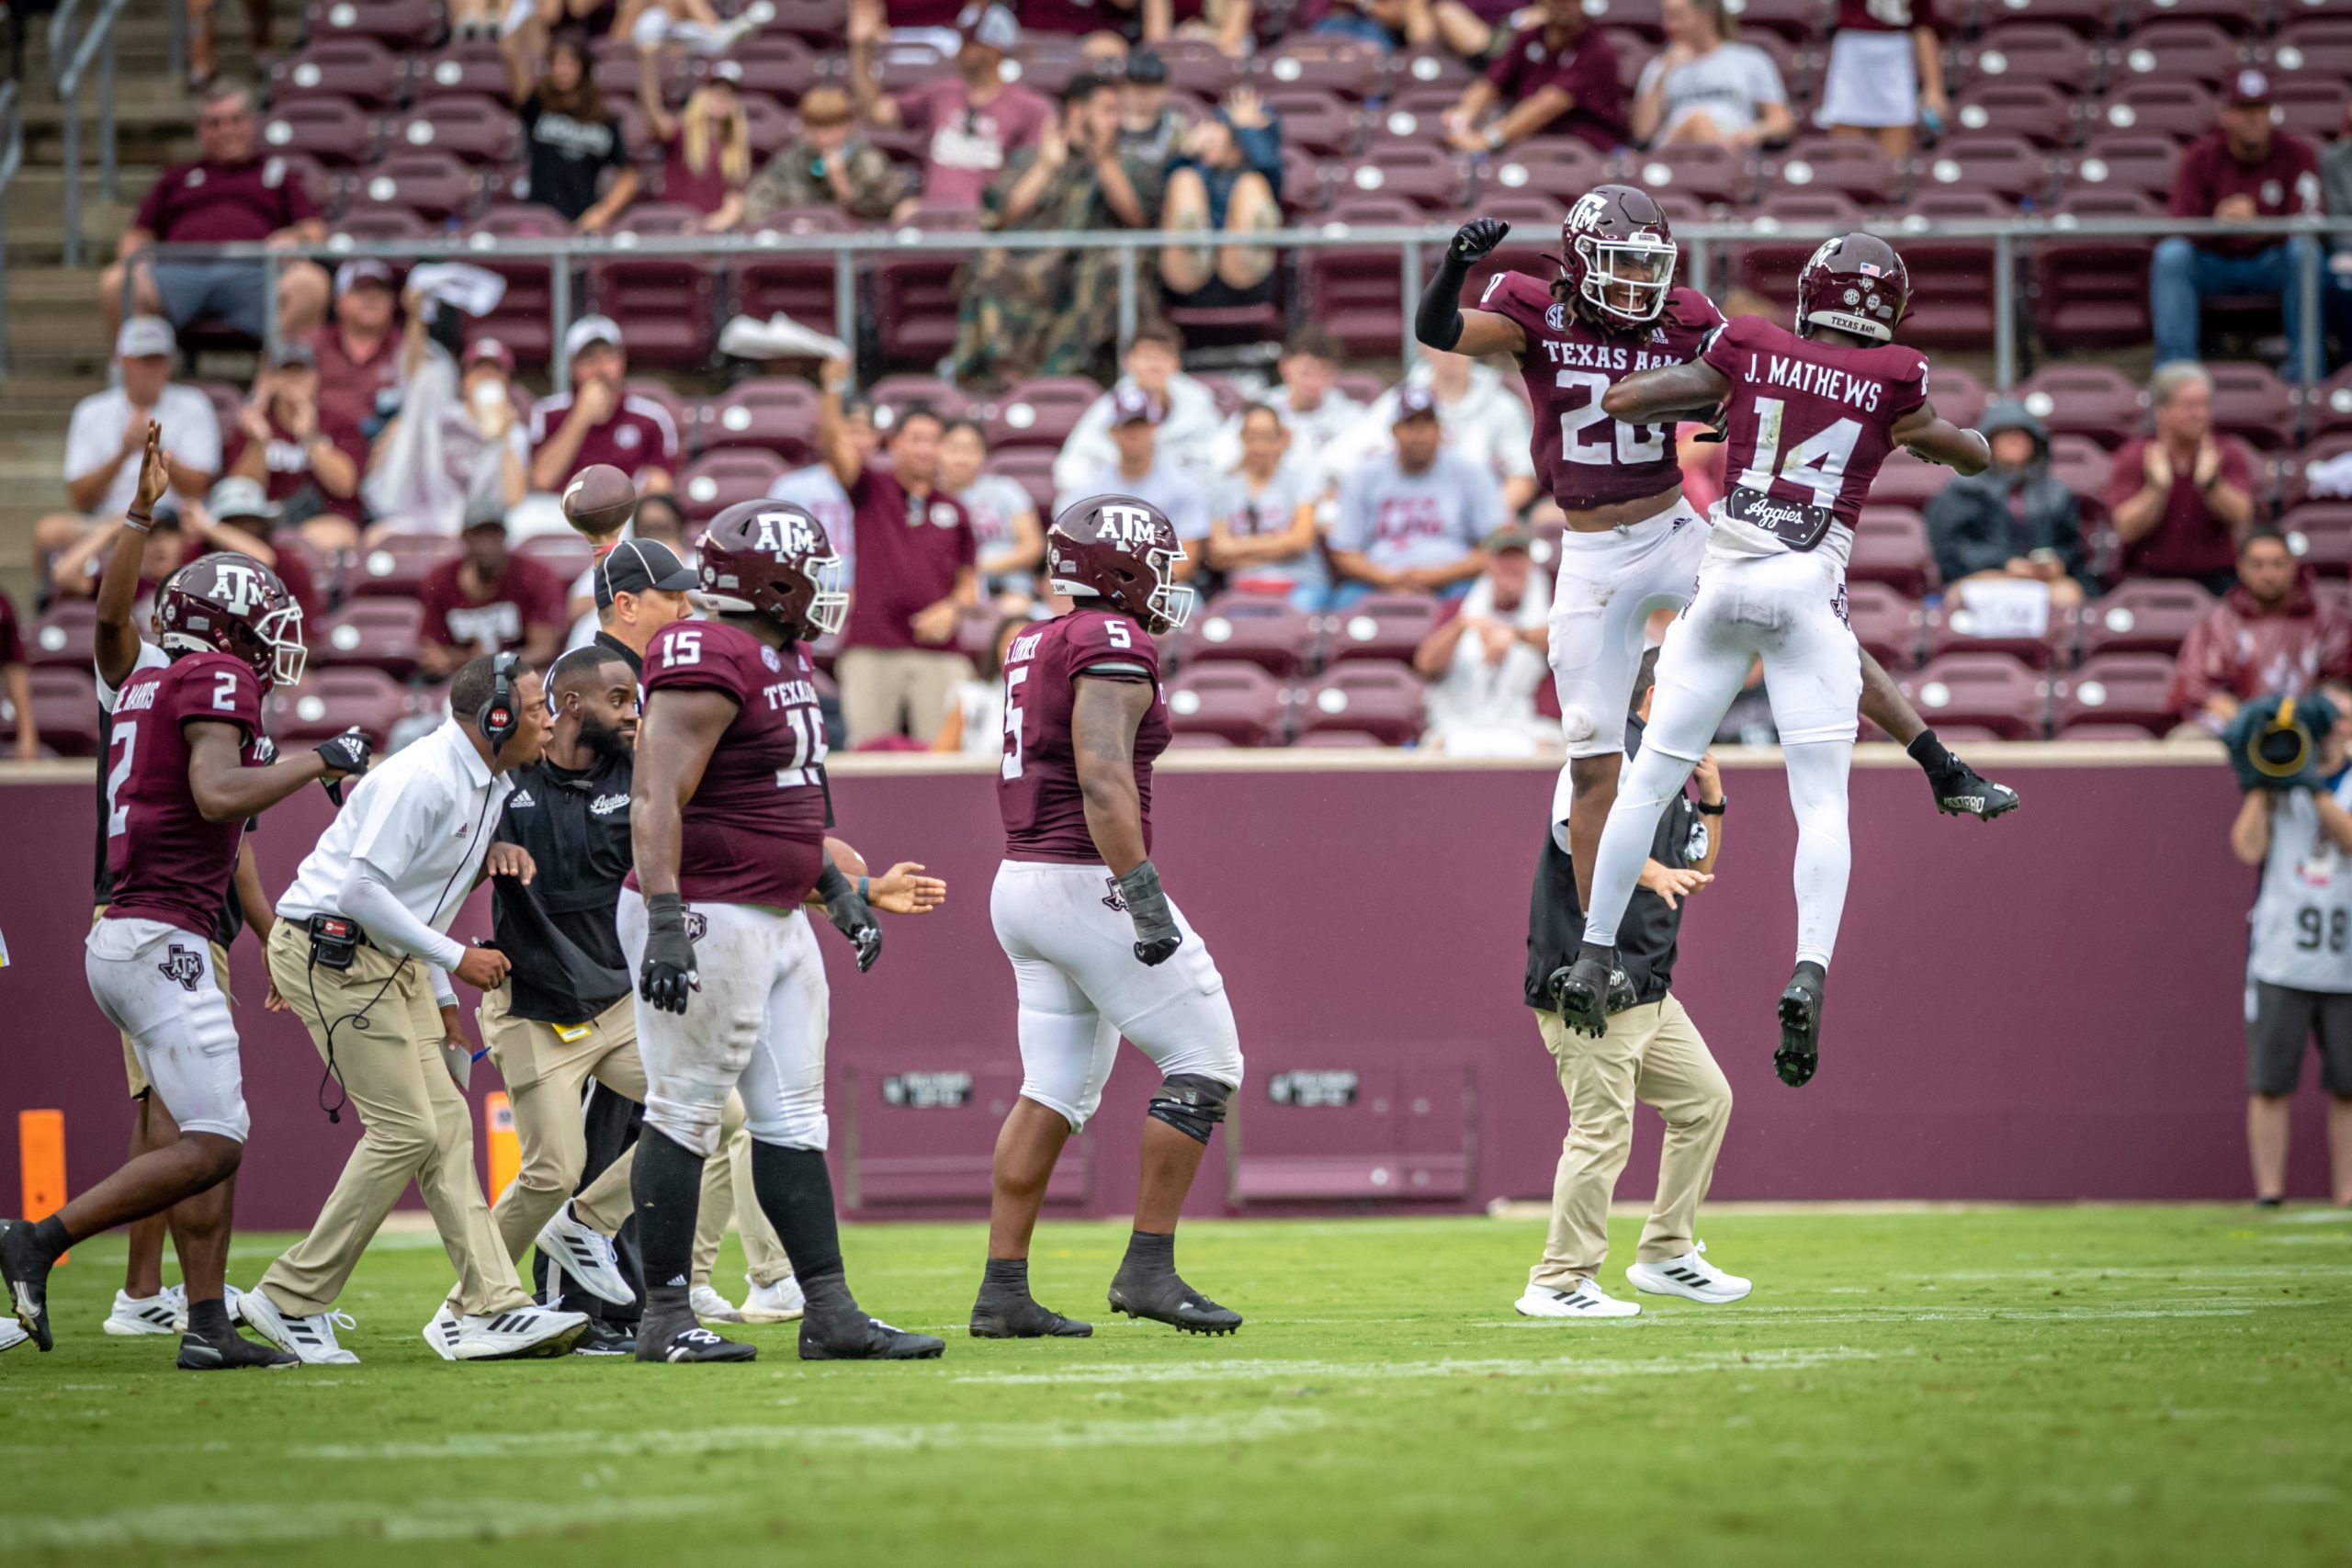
<point>669,973</point>
<point>1476,238</point>
<point>850,915</point>
<point>347,754</point>
<point>1157,937</point>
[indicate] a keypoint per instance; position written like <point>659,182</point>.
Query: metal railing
<point>1700,244</point>
<point>12,158</point>
<point>71,57</point>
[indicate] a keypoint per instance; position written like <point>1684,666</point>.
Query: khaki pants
<point>887,691</point>
<point>417,1127</point>
<point>545,1076</point>
<point>1652,1054</point>
<point>132,1071</point>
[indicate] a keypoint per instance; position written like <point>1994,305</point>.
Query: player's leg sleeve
<point>784,1081</point>
<point>691,1059</point>
<point>1817,772</point>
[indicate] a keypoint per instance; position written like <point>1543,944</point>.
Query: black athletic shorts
<point>2285,1022</point>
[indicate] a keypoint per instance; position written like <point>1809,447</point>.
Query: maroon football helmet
<point>1617,255</point>
<point>1123,552</point>
<point>772,558</point>
<point>1857,284</point>
<point>231,603</point>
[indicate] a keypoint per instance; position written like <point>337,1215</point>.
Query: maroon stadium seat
<point>1559,169</point>
<point>1383,626</point>
<point>916,299</point>
<point>616,64</point>
<point>1952,628</point>
<point>324,185</point>
<point>2092,292</point>
<point>710,485</point>
<point>1356,292</point>
<point>566,554</point>
<point>1885,623</point>
<point>1041,412</point>
<point>1958,396</point>
<point>1856,170</point>
<point>901,66</point>
<point>817,23</point>
<point>1907,482</point>
<point>1262,628</point>
<point>433,185</point>
<point>893,395</point>
<point>2177,52</point>
<point>2317,49</point>
<point>1988,689</point>
<point>1891,546</point>
<point>2083,465</point>
<point>2182,110</point>
<point>396,566</point>
<point>479,131</point>
<point>1377,696</point>
<point>66,708</point>
<point>2094,20</point>
<point>66,633</point>
<point>2320,532</point>
<point>1235,699</point>
<point>2328,406</point>
<point>1318,121</point>
<point>2034,110</point>
<point>329,702</point>
<point>1031,467</point>
<point>462,69</point>
<point>370,223</point>
<point>1428,177</point>
<point>1307,181</point>
<point>2118,688</point>
<point>2000,164</point>
<point>1338,740</point>
<point>663,303</point>
<point>356,68</point>
<point>523,319</point>
<point>2142,617</point>
<point>2313,109</point>
<point>2233,17</point>
<point>772,67</point>
<point>2295,471</point>
<point>1770,268</point>
<point>1638,16</point>
<point>2084,400</point>
<point>1345,66</point>
<point>1799,21</point>
<point>405,23</point>
<point>779,277</point>
<point>2032,51</point>
<point>1197,66</point>
<point>2251,402</point>
<point>336,131</point>
<point>1428,68</point>
<point>1707,174</point>
<point>1952,280</point>
<point>1534,232</point>
<point>2133,161</point>
<point>776,414</point>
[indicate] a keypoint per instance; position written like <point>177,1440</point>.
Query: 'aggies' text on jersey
<point>1038,794</point>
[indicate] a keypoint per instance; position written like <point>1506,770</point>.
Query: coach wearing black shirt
<point>1651,1053</point>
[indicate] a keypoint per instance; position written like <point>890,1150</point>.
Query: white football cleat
<point>163,1312</point>
<point>442,1332</point>
<point>711,1307</point>
<point>587,1255</point>
<point>779,1303</point>
<point>309,1339</point>
<point>1587,1300</point>
<point>1689,1275</point>
<point>12,1334</point>
<point>518,1334</point>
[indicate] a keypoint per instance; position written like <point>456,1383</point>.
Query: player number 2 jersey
<point>1585,458</point>
<point>753,832</point>
<point>1037,791</point>
<point>167,863</point>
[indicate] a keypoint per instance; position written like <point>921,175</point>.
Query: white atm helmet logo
<point>784,534</point>
<point>1590,208</point>
<point>238,588</point>
<point>1131,528</point>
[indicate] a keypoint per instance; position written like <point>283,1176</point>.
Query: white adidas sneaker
<point>1690,1276</point>
<point>309,1339</point>
<point>12,1334</point>
<point>1587,1300</point>
<point>165,1312</point>
<point>518,1334</point>
<point>442,1332</point>
<point>711,1307</point>
<point>779,1303</point>
<point>587,1255</point>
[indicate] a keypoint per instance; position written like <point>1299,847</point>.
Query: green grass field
<point>2053,1385</point>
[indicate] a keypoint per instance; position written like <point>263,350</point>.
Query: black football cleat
<point>854,1336</point>
<point>1962,791</point>
<point>199,1353</point>
<point>681,1337</point>
<point>1000,1315</point>
<point>602,1339</point>
<point>1582,993</point>
<point>25,1271</point>
<point>1800,1052</point>
<point>1163,1297</point>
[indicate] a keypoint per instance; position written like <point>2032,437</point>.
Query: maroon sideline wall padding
<point>2048,1008</point>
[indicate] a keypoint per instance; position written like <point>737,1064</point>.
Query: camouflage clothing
<point>797,176</point>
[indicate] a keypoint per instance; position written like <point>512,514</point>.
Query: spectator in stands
<point>239,509</point>
<point>1886,73</point>
<point>230,193</point>
<point>459,437</point>
<point>830,164</point>
<point>2271,635</point>
<point>1482,418</point>
<point>201,57</point>
<point>487,601</point>
<point>571,136</point>
<point>2179,496</point>
<point>705,147</point>
<point>1485,661</point>
<point>1151,129</point>
<point>816,489</point>
<point>974,721</point>
<point>1557,77</point>
<point>1054,312</point>
<point>1412,522</point>
<point>1189,419</point>
<point>1227,180</point>
<point>974,119</point>
<point>917,576</point>
<point>1103,22</point>
<point>600,420</point>
<point>1705,86</point>
<point>1141,472</point>
<point>1309,402</point>
<point>287,443</point>
<point>108,432</point>
<point>1008,539</point>
<point>1384,24</point>
<point>17,684</point>
<point>2244,170</point>
<point>358,351</point>
<point>694,26</point>
<point>2013,523</point>
<point>1263,535</point>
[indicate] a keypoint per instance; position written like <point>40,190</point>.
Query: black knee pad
<point>1192,1104</point>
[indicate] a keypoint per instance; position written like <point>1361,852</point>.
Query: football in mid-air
<point>599,500</point>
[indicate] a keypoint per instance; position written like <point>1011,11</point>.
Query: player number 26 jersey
<point>1037,791</point>
<point>167,863</point>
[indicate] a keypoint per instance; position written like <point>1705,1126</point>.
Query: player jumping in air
<point>1097,949</point>
<point>188,769</point>
<point>728,810</point>
<point>1810,415</point>
<point>1634,544</point>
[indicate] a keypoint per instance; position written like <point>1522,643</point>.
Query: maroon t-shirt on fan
<point>1585,458</point>
<point>196,203</point>
<point>2284,185</point>
<point>637,434</point>
<point>166,862</point>
<point>969,146</point>
<point>525,596</point>
<point>1037,791</point>
<point>1585,70</point>
<point>754,830</point>
<point>1807,421</point>
<point>908,556</point>
<point>286,463</point>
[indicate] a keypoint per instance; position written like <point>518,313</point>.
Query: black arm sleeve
<point>1438,322</point>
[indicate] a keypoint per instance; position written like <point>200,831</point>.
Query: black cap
<point>634,565</point>
<point>1147,69</point>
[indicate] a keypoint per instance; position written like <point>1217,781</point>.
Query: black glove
<point>669,973</point>
<point>1476,238</point>
<point>349,752</point>
<point>851,916</point>
<point>1157,937</point>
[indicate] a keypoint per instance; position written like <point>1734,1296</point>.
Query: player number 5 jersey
<point>167,863</point>
<point>1037,790</point>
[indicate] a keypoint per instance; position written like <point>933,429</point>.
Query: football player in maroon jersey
<point>186,746</point>
<point>1097,949</point>
<point>1632,543</point>
<point>727,813</point>
<point>1810,416</point>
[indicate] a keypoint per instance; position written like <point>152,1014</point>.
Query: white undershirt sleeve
<point>365,897</point>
